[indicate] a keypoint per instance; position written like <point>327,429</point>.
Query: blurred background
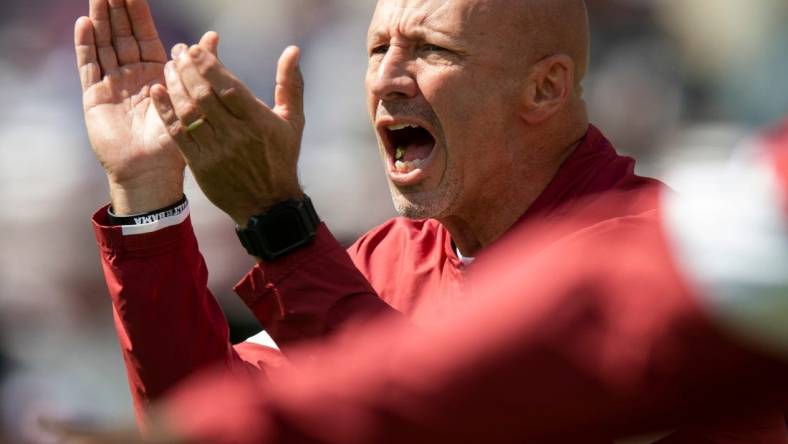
<point>671,81</point>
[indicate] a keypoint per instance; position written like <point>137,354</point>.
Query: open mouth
<point>409,146</point>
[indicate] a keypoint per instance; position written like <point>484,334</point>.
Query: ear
<point>549,86</point>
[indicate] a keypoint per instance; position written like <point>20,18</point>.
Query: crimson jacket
<point>169,325</point>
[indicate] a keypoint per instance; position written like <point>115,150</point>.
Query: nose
<point>392,78</point>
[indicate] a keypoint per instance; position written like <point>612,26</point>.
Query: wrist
<point>242,215</point>
<point>143,196</point>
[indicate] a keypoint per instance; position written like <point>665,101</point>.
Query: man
<point>682,325</point>
<point>481,123</point>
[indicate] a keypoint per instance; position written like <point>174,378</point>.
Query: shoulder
<point>610,216</point>
<point>573,248</point>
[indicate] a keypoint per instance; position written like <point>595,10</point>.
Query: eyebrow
<point>425,27</point>
<point>422,32</point>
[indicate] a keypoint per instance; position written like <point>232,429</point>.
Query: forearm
<point>311,293</point>
<point>168,323</point>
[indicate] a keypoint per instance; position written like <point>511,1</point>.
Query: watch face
<point>285,227</point>
<point>283,230</point>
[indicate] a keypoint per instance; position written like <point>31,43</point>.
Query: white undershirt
<point>465,260</point>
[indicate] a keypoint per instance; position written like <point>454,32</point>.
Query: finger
<point>232,93</point>
<point>289,94</point>
<point>87,59</point>
<point>177,50</point>
<point>175,127</point>
<point>185,107</point>
<point>210,42</point>
<point>126,46</point>
<point>198,87</point>
<point>151,48</point>
<point>99,16</point>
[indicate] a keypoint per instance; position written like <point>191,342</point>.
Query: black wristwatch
<point>285,227</point>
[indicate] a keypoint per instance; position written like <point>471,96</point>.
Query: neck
<point>493,212</point>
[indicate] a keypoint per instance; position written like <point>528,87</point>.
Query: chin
<point>428,204</point>
<point>406,208</point>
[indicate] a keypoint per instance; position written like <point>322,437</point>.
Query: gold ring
<point>194,125</point>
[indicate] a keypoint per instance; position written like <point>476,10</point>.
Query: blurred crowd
<point>670,81</point>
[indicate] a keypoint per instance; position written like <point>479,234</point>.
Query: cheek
<point>476,125</point>
<point>471,117</point>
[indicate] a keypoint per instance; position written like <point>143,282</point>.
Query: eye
<point>380,49</point>
<point>432,48</point>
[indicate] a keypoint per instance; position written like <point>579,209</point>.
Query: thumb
<point>210,42</point>
<point>289,94</point>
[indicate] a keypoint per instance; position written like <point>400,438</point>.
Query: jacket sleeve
<point>168,323</point>
<point>311,293</point>
<point>592,338</point>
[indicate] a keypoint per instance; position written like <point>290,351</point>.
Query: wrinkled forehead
<point>455,18</point>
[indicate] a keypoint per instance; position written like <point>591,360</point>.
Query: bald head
<point>553,27</point>
<point>537,29</point>
<point>526,31</point>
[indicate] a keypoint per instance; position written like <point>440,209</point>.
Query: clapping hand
<point>242,153</point>
<point>120,58</point>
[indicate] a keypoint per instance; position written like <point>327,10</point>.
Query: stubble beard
<point>426,204</point>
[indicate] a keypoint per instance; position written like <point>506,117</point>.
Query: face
<point>442,89</point>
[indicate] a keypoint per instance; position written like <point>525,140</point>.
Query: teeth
<point>407,167</point>
<point>400,126</point>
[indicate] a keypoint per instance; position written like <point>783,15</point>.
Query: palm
<point>119,114</point>
<point>120,57</point>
